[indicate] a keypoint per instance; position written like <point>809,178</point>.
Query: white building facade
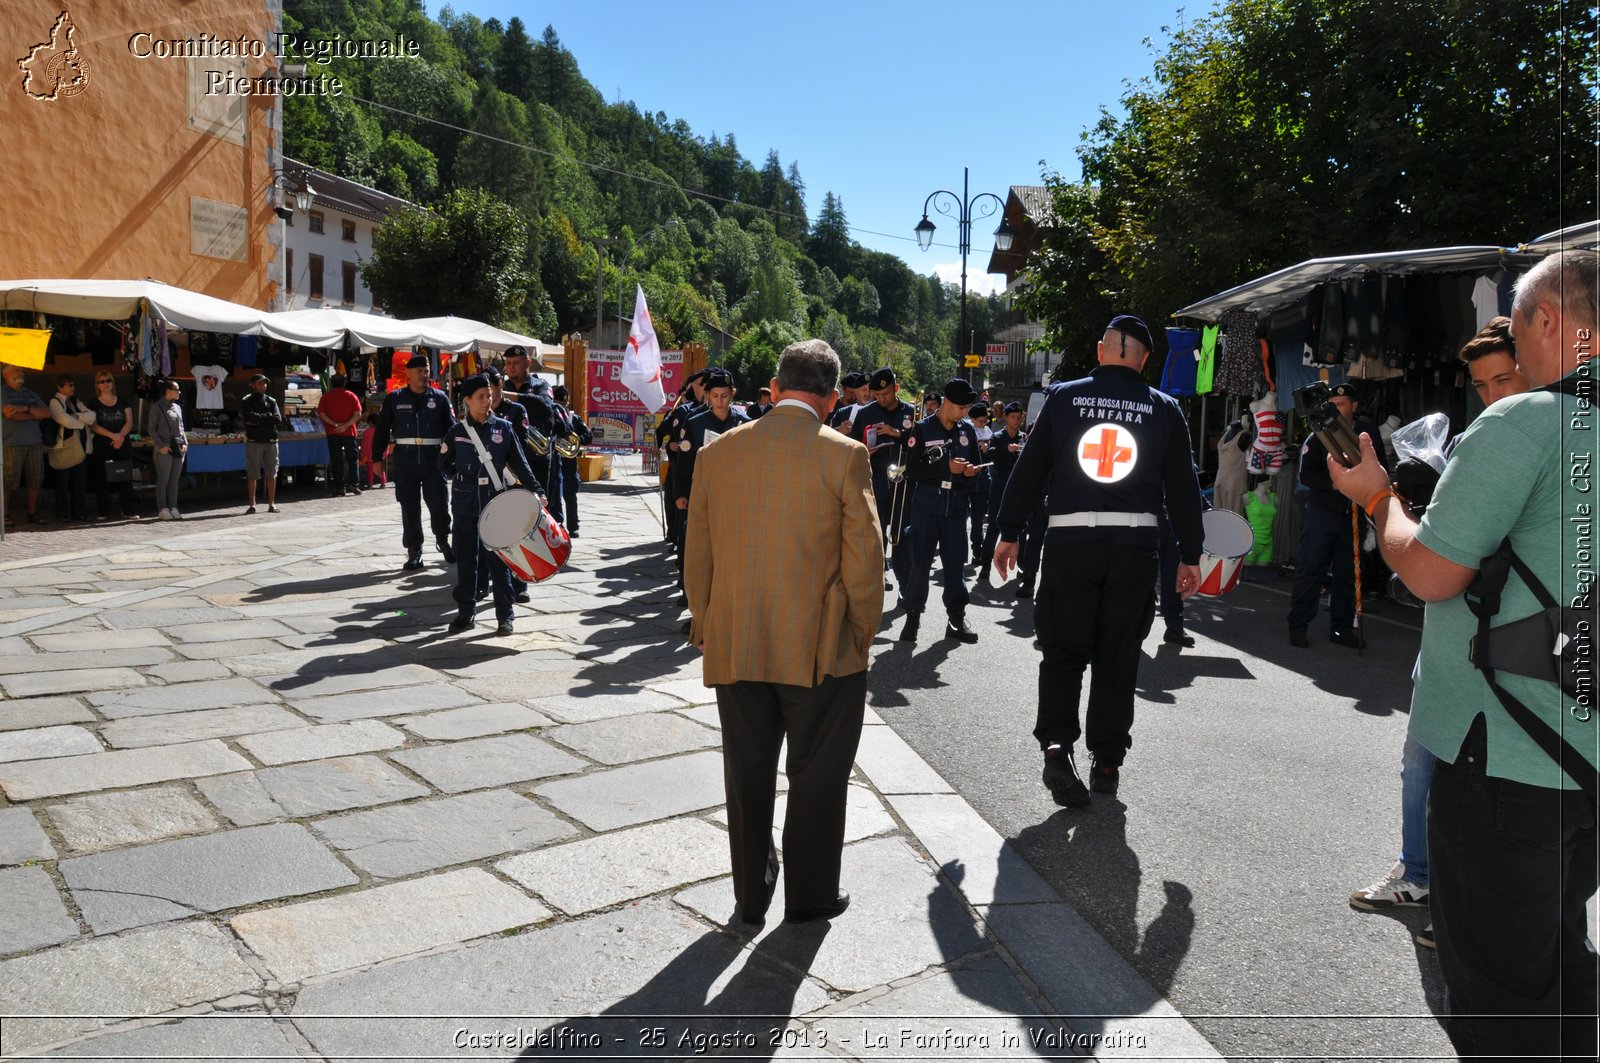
<point>325,245</point>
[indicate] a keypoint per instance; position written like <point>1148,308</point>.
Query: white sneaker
<point>165,514</point>
<point>176,515</point>
<point>1392,891</point>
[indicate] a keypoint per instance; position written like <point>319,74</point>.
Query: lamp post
<point>960,208</point>
<point>302,197</point>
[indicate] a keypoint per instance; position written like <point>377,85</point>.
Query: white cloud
<point>978,282</point>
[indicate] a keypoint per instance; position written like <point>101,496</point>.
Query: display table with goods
<point>225,453</point>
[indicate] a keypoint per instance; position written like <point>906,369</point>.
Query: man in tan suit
<point>787,656</point>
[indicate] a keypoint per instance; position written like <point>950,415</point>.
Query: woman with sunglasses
<point>72,418</point>
<point>170,442</point>
<point>113,423</point>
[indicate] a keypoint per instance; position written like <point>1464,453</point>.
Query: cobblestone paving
<point>246,773</point>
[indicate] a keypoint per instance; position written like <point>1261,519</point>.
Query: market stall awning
<point>1289,285</point>
<point>1584,234</point>
<point>488,336</point>
<point>104,300</point>
<point>370,330</point>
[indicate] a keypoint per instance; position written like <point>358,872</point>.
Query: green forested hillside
<point>727,250</point>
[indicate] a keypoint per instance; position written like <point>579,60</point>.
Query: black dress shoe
<point>504,628</point>
<point>909,632</point>
<point>957,629</point>
<point>1352,639</point>
<point>1061,778</point>
<point>811,915</point>
<point>480,596</point>
<point>460,624</point>
<point>1024,588</point>
<point>1178,637</point>
<point>448,554</point>
<point>413,563</point>
<point>522,598</point>
<point>1297,637</point>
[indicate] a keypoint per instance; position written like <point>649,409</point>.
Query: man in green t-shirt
<point>1511,838</point>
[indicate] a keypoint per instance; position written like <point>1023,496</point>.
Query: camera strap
<point>1542,646</point>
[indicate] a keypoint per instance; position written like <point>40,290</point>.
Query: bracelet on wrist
<point>1371,507</point>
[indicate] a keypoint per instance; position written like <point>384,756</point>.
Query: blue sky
<point>879,101</point>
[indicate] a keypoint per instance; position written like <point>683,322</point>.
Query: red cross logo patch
<point>1107,453</point>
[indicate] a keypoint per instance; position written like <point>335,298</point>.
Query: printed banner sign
<point>616,416</point>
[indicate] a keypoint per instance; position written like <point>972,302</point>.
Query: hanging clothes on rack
<point>1227,492</point>
<point>1183,352</point>
<point>1205,374</point>
<point>1236,369</point>
<point>1266,453</point>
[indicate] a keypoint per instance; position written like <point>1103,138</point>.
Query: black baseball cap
<point>693,377</point>
<point>418,361</point>
<point>979,409</point>
<point>259,378</point>
<point>1013,407</point>
<point>1347,391</point>
<point>516,350</point>
<point>473,384</point>
<point>559,392</point>
<point>881,378</point>
<point>1132,326</point>
<point>493,375</point>
<point>718,377</point>
<point>853,379</point>
<point>961,392</point>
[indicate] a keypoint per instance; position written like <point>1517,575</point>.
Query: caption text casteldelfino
<point>290,48</point>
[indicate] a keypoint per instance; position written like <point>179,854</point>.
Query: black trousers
<point>102,456</point>
<point>1171,601</point>
<point>413,484</point>
<point>938,524</point>
<point>1033,542</point>
<point>1092,610</point>
<point>553,488</point>
<point>823,726</point>
<point>476,564</point>
<point>342,452</point>
<point>569,491</point>
<point>1512,867</point>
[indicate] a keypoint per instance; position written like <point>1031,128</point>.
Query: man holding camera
<point>1327,533</point>
<point>1511,834</point>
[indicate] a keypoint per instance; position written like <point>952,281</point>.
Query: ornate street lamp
<point>960,208</point>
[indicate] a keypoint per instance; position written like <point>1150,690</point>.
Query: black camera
<point>1314,403</point>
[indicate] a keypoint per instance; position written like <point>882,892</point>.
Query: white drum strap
<point>483,456</point>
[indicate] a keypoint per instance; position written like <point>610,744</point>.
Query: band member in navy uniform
<point>1118,450</point>
<point>534,394</point>
<point>672,433</point>
<point>719,415</point>
<point>569,466</point>
<point>472,488</point>
<point>410,428</point>
<point>1005,447</point>
<point>981,485</point>
<point>883,426</point>
<point>942,466</point>
<point>502,406</point>
<point>853,394</point>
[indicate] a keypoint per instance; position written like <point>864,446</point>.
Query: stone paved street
<point>253,797</point>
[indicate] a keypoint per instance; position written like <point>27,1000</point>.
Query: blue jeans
<point>1416,772</point>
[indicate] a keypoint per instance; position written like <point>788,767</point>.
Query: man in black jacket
<point>1326,538</point>
<point>260,414</point>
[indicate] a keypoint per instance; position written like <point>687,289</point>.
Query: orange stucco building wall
<point>114,165</point>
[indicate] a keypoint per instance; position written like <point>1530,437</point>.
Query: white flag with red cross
<point>641,362</point>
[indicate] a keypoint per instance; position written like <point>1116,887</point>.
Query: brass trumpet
<point>569,446</point>
<point>538,442</point>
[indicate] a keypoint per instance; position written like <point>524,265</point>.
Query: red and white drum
<point>1228,540</point>
<point>517,527</point>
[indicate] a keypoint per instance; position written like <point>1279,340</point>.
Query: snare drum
<point>1228,539</point>
<point>517,527</point>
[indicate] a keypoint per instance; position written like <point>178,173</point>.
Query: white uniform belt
<point>415,441</point>
<point>1103,520</point>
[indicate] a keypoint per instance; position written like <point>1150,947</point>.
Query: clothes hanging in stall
<point>1266,452</point>
<point>1183,352</point>
<point>1236,368</point>
<point>1205,374</point>
<point>1227,492</point>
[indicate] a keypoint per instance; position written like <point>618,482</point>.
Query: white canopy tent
<point>178,307</point>
<point>1288,285</point>
<point>488,337</point>
<point>1583,235</point>
<point>370,330</point>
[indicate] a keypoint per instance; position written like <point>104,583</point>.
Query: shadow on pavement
<point>674,1014</point>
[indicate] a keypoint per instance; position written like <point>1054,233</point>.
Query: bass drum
<point>521,532</point>
<point>1228,540</point>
